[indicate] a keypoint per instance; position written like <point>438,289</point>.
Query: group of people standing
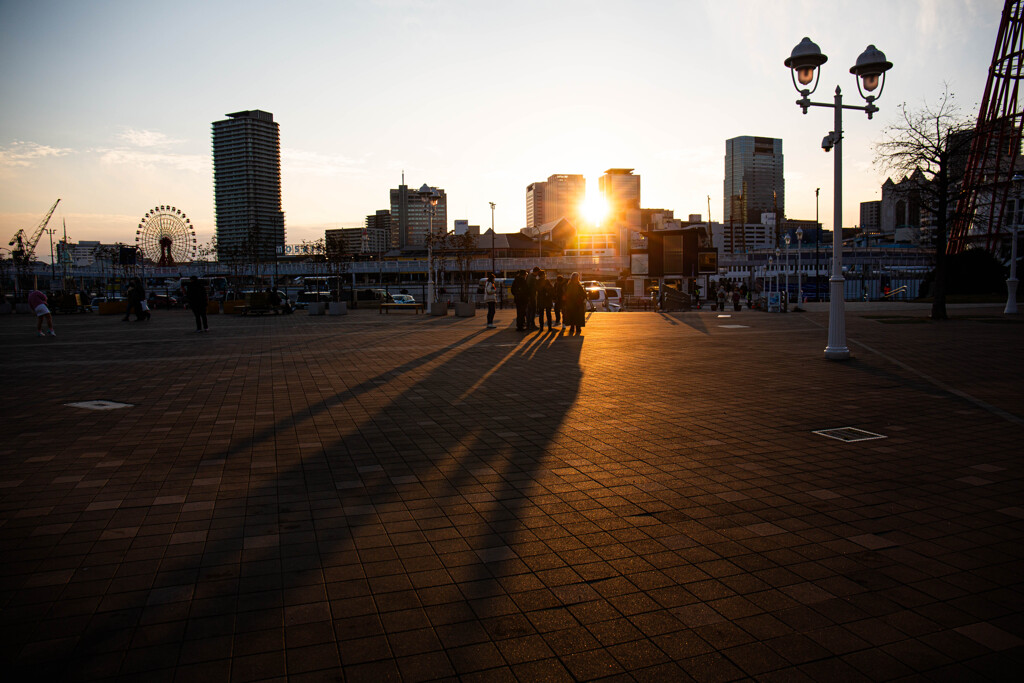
<point>561,302</point>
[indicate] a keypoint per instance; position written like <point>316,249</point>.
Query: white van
<point>604,298</point>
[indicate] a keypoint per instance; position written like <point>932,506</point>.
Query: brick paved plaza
<point>374,498</point>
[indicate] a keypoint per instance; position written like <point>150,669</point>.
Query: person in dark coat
<point>531,302</point>
<point>134,296</point>
<point>195,294</point>
<point>521,294</point>
<point>574,313</point>
<point>556,298</point>
<point>545,295</point>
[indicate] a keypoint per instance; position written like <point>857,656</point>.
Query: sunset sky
<point>108,105</point>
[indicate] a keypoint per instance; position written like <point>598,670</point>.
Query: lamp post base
<point>837,353</point>
<point>837,349</point>
<point>1011,296</point>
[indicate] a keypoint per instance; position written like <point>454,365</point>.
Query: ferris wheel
<point>165,236</point>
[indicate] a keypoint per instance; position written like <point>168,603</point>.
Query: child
<point>37,302</point>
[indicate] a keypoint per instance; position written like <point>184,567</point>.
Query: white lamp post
<point>871,66</point>
<point>1011,282</point>
<point>787,267</point>
<point>778,264</point>
<point>799,270</point>
<point>430,197</point>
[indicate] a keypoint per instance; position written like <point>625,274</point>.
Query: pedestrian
<point>545,294</point>
<point>556,298</point>
<point>37,302</point>
<point>520,294</point>
<point>195,294</point>
<point>736,299</point>
<point>574,313</point>
<point>531,301</point>
<point>721,297</point>
<point>133,302</point>
<point>490,298</point>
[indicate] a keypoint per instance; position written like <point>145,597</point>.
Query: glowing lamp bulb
<point>805,74</point>
<point>870,81</point>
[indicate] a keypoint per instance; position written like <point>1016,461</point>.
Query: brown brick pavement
<point>407,498</point>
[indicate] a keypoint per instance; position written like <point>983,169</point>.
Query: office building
<point>247,186</point>
<point>560,196</point>
<point>412,215</point>
<point>871,216</point>
<point>621,192</point>
<point>754,182</point>
<point>378,230</point>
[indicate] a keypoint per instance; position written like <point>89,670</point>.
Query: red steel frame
<point>996,145</point>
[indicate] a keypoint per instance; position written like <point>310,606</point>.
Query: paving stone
<point>410,499</point>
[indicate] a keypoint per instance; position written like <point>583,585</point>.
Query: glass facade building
<point>560,196</point>
<point>411,218</point>
<point>247,186</point>
<point>754,182</point>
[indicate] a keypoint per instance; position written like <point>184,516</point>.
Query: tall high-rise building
<point>560,196</point>
<point>621,192</point>
<point>378,230</point>
<point>247,186</point>
<point>411,217</point>
<point>754,182</point>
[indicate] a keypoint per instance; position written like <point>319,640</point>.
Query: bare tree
<point>932,142</point>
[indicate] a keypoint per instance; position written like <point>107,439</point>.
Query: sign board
<point>639,264</point>
<point>707,261</point>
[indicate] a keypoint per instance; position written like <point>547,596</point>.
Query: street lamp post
<point>799,270</point>
<point>817,240</point>
<point>492,236</point>
<point>1011,282</point>
<point>778,264</point>
<point>430,197</point>
<point>53,268</point>
<point>787,239</point>
<point>871,66</point>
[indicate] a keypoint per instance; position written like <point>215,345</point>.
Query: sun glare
<point>594,209</point>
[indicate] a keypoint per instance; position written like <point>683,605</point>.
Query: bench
<point>386,307</point>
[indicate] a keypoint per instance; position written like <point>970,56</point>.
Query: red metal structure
<point>996,148</point>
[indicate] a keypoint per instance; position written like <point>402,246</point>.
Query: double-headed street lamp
<point>430,197</point>
<point>870,68</point>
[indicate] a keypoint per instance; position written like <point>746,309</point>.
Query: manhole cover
<point>734,327</point>
<point>849,434</point>
<point>99,405</point>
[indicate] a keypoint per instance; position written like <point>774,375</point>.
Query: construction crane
<point>26,244</point>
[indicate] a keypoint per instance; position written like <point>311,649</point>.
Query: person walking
<point>195,294</point>
<point>531,301</point>
<point>490,298</point>
<point>37,302</point>
<point>133,301</point>
<point>520,295</point>
<point>545,293</point>
<point>574,313</point>
<point>556,298</point>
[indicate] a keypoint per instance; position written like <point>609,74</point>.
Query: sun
<point>594,209</point>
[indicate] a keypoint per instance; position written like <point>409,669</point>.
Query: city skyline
<point>113,124</point>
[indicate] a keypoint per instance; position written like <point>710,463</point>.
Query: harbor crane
<point>25,250</point>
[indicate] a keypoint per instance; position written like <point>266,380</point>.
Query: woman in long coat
<point>574,312</point>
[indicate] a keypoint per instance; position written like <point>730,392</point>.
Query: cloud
<point>195,163</point>
<point>20,153</point>
<point>146,138</point>
<point>317,164</point>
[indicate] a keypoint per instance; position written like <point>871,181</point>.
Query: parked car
<point>402,299</point>
<point>163,301</point>
<point>94,305</point>
<point>305,298</point>
<point>604,299</point>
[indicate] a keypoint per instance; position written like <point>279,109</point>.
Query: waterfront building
<point>621,192</point>
<point>247,186</point>
<point>560,196</point>
<point>754,182</point>
<point>411,215</point>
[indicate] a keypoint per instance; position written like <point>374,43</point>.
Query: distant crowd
<point>561,302</point>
